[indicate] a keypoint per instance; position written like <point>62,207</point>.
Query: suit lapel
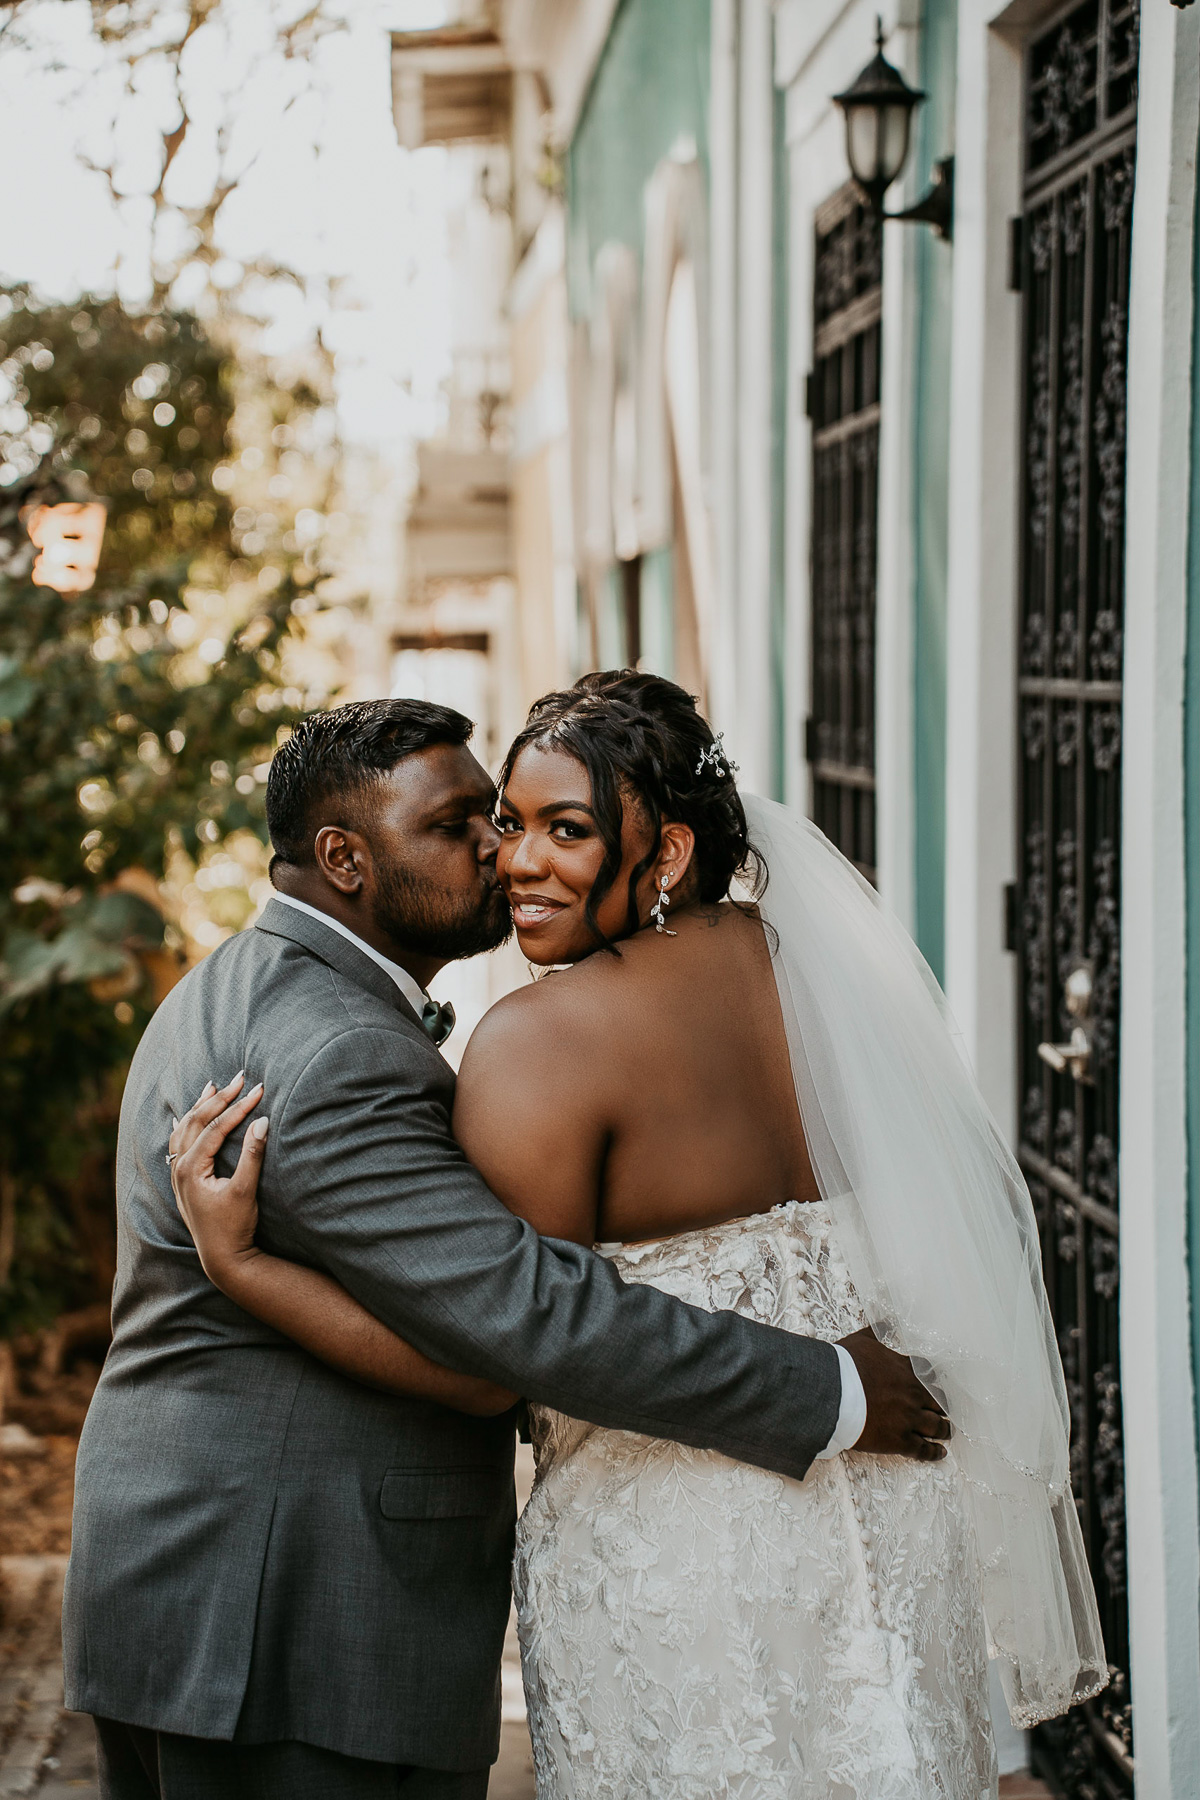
<point>331,947</point>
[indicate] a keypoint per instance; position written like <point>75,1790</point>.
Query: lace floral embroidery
<point>692,1627</point>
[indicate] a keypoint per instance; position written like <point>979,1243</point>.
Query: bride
<point>750,1097</point>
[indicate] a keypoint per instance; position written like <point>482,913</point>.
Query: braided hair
<point>641,738</point>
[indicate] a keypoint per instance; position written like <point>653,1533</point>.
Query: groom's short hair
<point>341,755</point>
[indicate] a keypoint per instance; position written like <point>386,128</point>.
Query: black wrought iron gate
<point>843,404</point>
<point>1072,263</point>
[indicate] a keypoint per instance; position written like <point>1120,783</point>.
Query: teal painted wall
<point>1191,792</point>
<point>657,597</point>
<point>649,90</point>
<point>610,622</point>
<point>931,520</point>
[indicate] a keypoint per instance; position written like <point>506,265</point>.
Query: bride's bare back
<point>642,1093</point>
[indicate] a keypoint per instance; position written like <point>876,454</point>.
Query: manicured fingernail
<point>259,1129</point>
<point>237,1078</point>
<point>211,1088</point>
<point>174,1123</point>
<point>256,1089</point>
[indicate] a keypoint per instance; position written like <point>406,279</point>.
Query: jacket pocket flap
<point>442,1493</point>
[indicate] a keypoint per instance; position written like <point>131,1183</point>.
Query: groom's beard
<point>443,922</point>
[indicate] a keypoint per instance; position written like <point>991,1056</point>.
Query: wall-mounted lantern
<point>51,530</point>
<point>67,537</point>
<point>878,108</point>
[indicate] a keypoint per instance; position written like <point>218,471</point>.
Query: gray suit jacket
<point>264,1549</point>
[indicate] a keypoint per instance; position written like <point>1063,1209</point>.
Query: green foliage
<point>135,719</point>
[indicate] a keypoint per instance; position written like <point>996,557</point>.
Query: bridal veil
<point>937,1227</point>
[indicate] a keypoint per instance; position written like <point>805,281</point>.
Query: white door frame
<point>1160,1448</point>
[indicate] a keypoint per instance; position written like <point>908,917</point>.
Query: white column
<point>984,534</point>
<point>752,731</point>
<point>723,203</point>
<point>797,520</point>
<point>1160,1446</point>
<point>894,580</point>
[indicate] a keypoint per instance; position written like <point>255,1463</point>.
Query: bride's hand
<point>221,1213</point>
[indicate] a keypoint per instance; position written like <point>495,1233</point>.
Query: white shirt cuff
<point>852,1414</point>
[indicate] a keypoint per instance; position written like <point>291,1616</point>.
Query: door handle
<point>1073,1056</point>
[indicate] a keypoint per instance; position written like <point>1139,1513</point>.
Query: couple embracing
<point>717,1204</point>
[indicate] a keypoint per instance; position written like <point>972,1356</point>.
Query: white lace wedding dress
<point>692,1627</point>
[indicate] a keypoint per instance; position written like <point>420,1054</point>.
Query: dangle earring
<point>658,912</point>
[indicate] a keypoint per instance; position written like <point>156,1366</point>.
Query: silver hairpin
<point>720,759</point>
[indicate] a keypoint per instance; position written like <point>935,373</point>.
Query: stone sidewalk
<point>51,1753</point>
<point>31,1715</point>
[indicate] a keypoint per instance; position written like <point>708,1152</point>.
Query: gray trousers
<point>137,1764</point>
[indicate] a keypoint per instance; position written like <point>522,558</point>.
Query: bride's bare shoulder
<point>547,1025</point>
<point>530,1021</point>
<point>564,1022</point>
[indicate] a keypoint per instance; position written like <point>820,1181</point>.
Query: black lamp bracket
<point>934,208</point>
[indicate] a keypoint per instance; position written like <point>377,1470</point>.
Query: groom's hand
<point>903,1418</point>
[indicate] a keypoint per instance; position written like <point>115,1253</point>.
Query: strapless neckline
<point>743,1224</point>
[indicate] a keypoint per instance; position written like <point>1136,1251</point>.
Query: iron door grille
<point>843,404</point>
<point>1080,114</point>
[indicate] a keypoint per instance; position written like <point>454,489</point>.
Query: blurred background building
<point>915,516</point>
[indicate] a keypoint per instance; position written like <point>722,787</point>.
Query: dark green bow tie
<point>438,1020</point>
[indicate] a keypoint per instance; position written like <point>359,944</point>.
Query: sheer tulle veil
<point>937,1227</point>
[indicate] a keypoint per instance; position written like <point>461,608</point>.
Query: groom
<point>282,1584</point>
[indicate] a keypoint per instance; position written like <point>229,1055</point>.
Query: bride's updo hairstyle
<point>642,740</point>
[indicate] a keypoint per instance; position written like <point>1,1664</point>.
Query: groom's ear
<point>342,857</point>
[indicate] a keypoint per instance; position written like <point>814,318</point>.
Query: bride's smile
<point>573,886</point>
<point>528,914</point>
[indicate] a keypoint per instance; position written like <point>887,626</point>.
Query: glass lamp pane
<point>893,135</point>
<point>862,142</point>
